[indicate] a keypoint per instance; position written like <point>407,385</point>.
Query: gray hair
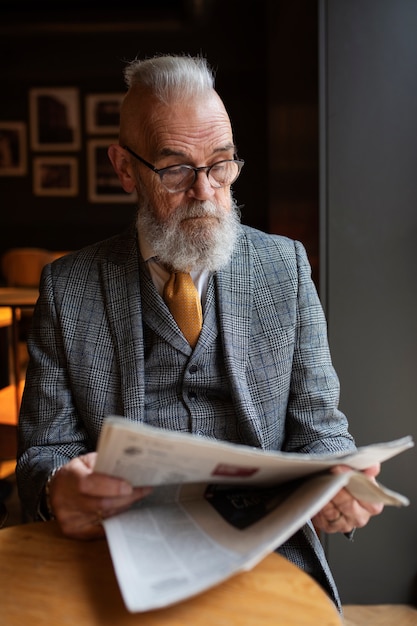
<point>171,77</point>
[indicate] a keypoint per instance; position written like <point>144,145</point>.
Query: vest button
<point>192,395</point>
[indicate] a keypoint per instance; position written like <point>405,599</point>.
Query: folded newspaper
<point>216,508</point>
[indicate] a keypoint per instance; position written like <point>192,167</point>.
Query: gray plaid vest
<point>185,389</point>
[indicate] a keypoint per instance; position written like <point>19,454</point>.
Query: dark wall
<point>67,49</point>
<point>293,136</point>
<point>266,60</point>
<point>369,206</point>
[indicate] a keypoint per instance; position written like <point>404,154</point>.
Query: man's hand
<point>344,513</point>
<point>81,498</point>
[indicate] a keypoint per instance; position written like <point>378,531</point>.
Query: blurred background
<point>323,99</point>
<point>265,56</point>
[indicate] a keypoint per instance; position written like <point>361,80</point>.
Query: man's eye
<point>177,172</point>
<point>219,167</point>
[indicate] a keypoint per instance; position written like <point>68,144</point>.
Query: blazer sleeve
<point>50,431</point>
<point>314,420</point>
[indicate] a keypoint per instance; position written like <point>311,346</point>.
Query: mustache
<point>198,209</point>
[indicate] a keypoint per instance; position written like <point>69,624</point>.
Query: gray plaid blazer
<point>86,360</point>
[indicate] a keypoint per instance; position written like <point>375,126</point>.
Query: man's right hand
<point>81,498</point>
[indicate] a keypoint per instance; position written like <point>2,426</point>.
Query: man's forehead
<point>182,126</point>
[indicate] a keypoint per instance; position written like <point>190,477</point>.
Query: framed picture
<point>13,149</point>
<point>55,119</point>
<point>55,176</point>
<point>103,183</point>
<point>102,113</point>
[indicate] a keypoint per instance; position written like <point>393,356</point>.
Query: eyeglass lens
<point>181,177</point>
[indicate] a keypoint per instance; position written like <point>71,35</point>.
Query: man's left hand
<point>344,513</point>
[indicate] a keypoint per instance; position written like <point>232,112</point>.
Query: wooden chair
<point>22,267</point>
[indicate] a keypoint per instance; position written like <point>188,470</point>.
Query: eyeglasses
<point>177,178</point>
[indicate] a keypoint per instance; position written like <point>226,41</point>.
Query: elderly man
<point>251,365</point>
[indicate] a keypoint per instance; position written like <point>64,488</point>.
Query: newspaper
<point>216,508</point>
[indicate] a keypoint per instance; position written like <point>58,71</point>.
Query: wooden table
<point>16,298</point>
<point>47,579</point>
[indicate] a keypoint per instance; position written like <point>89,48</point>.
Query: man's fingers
<point>111,505</point>
<point>102,485</point>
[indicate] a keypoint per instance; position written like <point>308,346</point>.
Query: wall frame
<point>103,183</point>
<point>54,119</point>
<point>55,176</point>
<point>13,149</point>
<point>102,111</point>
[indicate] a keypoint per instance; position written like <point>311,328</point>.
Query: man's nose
<point>201,189</point>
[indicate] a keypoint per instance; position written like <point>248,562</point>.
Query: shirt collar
<point>145,248</point>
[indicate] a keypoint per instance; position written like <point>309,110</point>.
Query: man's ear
<point>122,167</point>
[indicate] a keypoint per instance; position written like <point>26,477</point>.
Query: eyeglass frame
<point>240,163</point>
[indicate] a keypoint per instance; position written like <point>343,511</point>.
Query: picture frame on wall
<point>13,149</point>
<point>103,183</point>
<point>102,112</point>
<point>54,114</point>
<point>55,176</point>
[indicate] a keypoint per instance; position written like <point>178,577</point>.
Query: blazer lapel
<point>120,275</point>
<point>235,300</point>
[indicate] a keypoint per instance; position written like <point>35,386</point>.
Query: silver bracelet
<point>47,493</point>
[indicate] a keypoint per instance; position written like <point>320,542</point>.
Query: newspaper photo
<point>216,508</point>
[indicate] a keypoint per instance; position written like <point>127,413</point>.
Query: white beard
<point>201,244</point>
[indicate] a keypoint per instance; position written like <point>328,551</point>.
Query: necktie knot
<point>183,300</point>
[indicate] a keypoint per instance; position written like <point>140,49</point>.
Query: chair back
<point>22,267</point>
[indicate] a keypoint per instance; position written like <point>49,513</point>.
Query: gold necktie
<point>183,300</point>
